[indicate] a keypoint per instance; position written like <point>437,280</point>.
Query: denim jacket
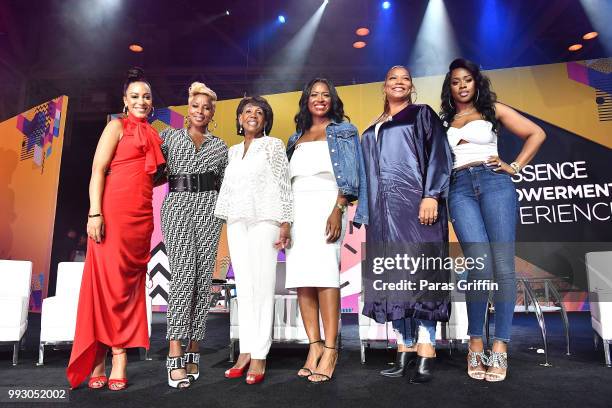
<point>349,167</point>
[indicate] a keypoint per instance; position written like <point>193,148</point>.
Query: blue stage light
<point>281,19</point>
<point>386,5</point>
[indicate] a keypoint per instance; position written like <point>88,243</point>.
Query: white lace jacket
<point>256,187</point>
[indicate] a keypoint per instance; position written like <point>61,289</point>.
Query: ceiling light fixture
<point>136,48</point>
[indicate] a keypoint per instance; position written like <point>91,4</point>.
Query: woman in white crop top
<point>483,203</point>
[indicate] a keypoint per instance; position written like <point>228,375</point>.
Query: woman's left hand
<point>428,211</point>
<point>498,165</point>
<point>333,227</point>
<point>284,237</point>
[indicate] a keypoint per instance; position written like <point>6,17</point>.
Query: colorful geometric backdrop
<point>30,156</point>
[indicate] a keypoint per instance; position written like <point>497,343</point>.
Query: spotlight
<point>227,12</point>
<point>575,47</point>
<point>359,44</point>
<point>591,35</point>
<point>362,31</point>
<point>282,19</point>
<point>136,48</point>
<point>386,5</point>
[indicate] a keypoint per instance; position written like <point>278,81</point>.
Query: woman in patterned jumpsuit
<point>196,161</point>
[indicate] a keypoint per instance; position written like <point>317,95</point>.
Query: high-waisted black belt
<point>193,183</point>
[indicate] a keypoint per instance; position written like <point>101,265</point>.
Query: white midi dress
<point>311,261</point>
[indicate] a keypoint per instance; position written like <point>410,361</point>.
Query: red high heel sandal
<point>117,384</point>
<point>253,378</point>
<point>99,379</point>
<point>236,372</point>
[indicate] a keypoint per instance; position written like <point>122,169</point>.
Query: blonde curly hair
<point>198,88</point>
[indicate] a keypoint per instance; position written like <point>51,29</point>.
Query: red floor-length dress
<point>112,308</point>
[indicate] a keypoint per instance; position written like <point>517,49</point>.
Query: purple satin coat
<point>408,161</point>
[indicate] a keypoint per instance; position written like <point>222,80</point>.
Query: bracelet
<point>341,207</point>
<point>516,166</point>
<point>94,215</point>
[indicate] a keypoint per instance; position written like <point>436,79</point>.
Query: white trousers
<point>253,259</point>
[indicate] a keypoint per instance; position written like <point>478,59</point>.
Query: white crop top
<point>481,142</point>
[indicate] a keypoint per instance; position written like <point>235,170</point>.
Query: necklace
<point>467,112</point>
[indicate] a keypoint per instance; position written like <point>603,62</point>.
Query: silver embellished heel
<point>497,360</point>
<point>193,358</point>
<point>477,360</point>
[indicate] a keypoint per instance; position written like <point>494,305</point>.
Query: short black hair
<point>260,103</point>
<point>135,74</point>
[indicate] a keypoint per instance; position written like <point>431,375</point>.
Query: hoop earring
<point>450,102</point>
<point>415,96</point>
<point>264,129</point>
<point>186,122</point>
<point>125,110</point>
<point>152,113</point>
<point>477,95</point>
<point>214,123</point>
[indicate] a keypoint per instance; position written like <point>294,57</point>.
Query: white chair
<point>59,312</point>
<point>14,302</point>
<point>599,275</point>
<point>452,332</point>
<point>288,326</point>
<point>58,315</point>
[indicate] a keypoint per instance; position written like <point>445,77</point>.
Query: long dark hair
<point>260,103</point>
<point>303,119</point>
<point>135,74</point>
<point>485,98</point>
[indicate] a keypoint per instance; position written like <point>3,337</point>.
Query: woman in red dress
<point>112,309</point>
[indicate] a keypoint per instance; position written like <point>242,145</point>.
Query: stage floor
<point>577,380</point>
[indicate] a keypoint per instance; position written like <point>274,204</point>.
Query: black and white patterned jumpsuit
<point>191,233</point>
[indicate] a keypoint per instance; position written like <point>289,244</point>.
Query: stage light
<point>289,61</point>
<point>386,5</point>
<point>136,48</point>
<point>227,13</point>
<point>436,42</point>
<point>591,35</point>
<point>281,19</point>
<point>362,31</point>
<point>574,47</point>
<point>359,44</point>
<point>599,12</point>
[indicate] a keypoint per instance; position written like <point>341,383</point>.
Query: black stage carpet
<point>579,380</point>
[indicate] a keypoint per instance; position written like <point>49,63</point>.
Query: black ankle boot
<point>424,370</point>
<point>403,360</point>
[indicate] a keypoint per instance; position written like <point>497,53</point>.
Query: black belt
<point>193,183</point>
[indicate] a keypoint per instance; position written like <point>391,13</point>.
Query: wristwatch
<point>341,207</point>
<point>516,166</point>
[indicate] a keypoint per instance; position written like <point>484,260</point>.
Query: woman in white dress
<point>255,200</point>
<point>327,173</point>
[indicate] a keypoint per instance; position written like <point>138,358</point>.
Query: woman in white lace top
<point>256,202</point>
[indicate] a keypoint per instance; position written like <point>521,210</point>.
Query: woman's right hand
<point>95,228</point>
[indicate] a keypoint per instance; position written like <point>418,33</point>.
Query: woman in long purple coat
<point>408,165</point>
